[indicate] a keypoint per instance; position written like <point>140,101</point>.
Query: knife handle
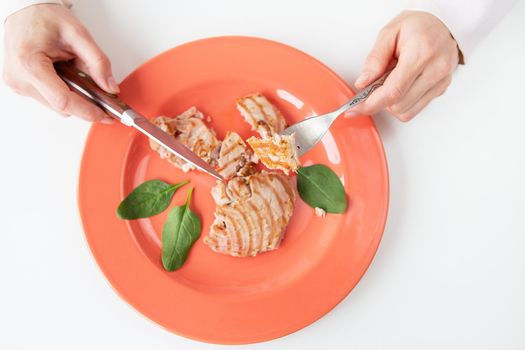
<point>82,84</point>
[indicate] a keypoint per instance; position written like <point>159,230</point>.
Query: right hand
<point>425,56</point>
<point>39,35</point>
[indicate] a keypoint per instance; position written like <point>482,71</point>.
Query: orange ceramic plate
<point>217,298</point>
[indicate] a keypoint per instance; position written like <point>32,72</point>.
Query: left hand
<point>41,34</point>
<point>424,54</point>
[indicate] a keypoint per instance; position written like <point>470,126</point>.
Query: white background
<point>450,271</point>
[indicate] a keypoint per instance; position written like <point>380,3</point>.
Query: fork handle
<point>363,94</point>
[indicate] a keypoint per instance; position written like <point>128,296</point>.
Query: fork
<point>310,131</point>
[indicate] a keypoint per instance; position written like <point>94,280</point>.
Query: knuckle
<point>14,84</point>
<point>94,117</point>
<point>60,102</point>
<point>426,48</point>
<point>25,60</point>
<point>444,86</point>
<point>448,80</point>
<point>8,80</point>
<point>31,62</point>
<point>395,109</point>
<point>405,117</point>
<point>88,118</point>
<point>374,60</point>
<point>101,59</point>
<point>78,30</point>
<point>443,67</point>
<point>442,90</point>
<point>363,108</point>
<point>394,93</point>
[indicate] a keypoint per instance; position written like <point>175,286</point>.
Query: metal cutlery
<point>82,84</point>
<point>311,130</point>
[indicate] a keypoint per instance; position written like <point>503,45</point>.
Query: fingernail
<point>350,114</point>
<point>113,86</point>
<point>107,121</point>
<point>363,78</point>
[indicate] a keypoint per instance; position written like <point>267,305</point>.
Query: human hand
<point>424,54</point>
<point>39,35</point>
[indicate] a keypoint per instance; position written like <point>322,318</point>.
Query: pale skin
<point>39,35</point>
<point>417,45</point>
<point>424,54</point>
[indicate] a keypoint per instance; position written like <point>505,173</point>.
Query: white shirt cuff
<point>467,20</point>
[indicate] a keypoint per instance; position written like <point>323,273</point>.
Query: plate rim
<point>382,218</point>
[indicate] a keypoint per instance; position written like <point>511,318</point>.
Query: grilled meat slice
<point>263,116</point>
<point>276,152</point>
<point>252,214</point>
<point>235,159</point>
<point>189,129</point>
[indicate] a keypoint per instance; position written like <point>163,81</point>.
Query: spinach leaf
<point>320,187</point>
<point>181,230</point>
<point>148,199</point>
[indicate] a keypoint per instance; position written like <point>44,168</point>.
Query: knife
<point>82,84</point>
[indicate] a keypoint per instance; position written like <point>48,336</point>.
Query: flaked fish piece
<point>236,189</point>
<point>320,212</point>
<point>263,116</point>
<point>235,158</point>
<point>189,129</point>
<point>252,214</point>
<point>276,152</point>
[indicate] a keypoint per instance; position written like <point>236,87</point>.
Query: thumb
<point>379,58</point>
<point>93,60</point>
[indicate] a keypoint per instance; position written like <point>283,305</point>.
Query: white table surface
<point>450,271</point>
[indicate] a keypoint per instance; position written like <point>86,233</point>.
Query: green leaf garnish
<point>320,187</point>
<point>181,230</point>
<point>148,199</point>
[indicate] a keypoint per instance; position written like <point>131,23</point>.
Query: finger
<point>56,93</point>
<point>434,92</point>
<point>378,59</point>
<point>23,88</point>
<point>428,78</point>
<point>395,87</point>
<point>33,93</point>
<point>91,58</point>
<point>30,91</point>
<point>80,65</point>
<point>422,84</point>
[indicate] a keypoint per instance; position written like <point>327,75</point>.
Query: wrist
<point>9,8</point>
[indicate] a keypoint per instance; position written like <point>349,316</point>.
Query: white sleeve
<point>8,7</point>
<point>467,20</point>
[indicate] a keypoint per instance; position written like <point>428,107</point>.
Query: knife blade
<point>82,84</point>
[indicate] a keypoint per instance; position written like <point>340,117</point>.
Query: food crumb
<point>320,212</point>
<point>187,167</point>
<point>208,119</point>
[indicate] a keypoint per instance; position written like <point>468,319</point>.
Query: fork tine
<point>310,131</point>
